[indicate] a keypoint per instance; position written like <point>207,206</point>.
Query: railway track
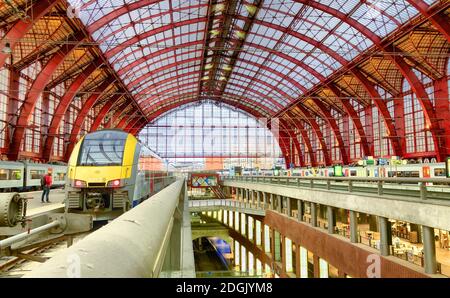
<point>30,257</point>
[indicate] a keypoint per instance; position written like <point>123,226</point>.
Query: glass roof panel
<point>159,46</point>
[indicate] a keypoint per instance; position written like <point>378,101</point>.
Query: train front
<point>102,174</point>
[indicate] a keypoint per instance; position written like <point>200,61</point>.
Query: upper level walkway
<point>211,205</point>
<point>420,201</point>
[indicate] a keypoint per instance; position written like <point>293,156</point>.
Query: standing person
<point>46,184</point>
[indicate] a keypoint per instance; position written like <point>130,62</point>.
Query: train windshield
<point>102,148</point>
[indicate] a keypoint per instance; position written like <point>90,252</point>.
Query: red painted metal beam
<point>142,80</point>
<point>143,60</point>
<point>317,131</point>
<point>136,39</point>
<point>104,110</point>
<point>116,13</point>
<point>130,128</point>
<point>124,121</point>
<point>130,123</point>
<point>261,96</point>
<point>63,105</point>
<point>343,17</point>
<point>118,114</point>
<point>253,103</point>
<point>439,19</point>
<point>349,109</point>
<point>284,147</point>
<point>287,124</point>
<point>36,90</point>
<point>402,66</point>
<point>23,26</point>
<point>334,126</point>
<point>431,120</point>
<point>297,123</point>
<point>87,105</point>
<point>382,108</point>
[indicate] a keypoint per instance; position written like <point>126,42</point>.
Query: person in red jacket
<point>46,184</point>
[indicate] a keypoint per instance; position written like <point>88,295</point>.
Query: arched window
<point>381,141</point>
<point>54,98</point>
<point>334,148</point>
<point>32,137</point>
<point>417,134</point>
<point>325,132</point>
<point>4,87</point>
<point>354,137</point>
<point>210,134</point>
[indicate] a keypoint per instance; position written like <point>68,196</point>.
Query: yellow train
<point>109,172</point>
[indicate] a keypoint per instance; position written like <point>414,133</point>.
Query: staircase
<point>217,191</point>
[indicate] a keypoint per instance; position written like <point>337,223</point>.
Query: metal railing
<point>422,188</point>
<point>133,245</point>
<point>226,203</point>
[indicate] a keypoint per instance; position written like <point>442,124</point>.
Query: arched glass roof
<point>213,134</point>
<point>260,54</point>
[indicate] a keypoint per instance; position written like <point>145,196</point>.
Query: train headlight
<point>79,183</point>
<point>115,183</point>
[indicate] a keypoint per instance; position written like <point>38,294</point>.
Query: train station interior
<point>225,138</point>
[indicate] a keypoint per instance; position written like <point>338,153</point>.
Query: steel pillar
<point>429,250</point>
<point>354,227</point>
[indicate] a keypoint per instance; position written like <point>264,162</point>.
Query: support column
<point>279,204</point>
<point>331,216</point>
<point>258,199</point>
<point>385,236</point>
<point>354,237</point>
<point>429,250</point>
<point>264,200</point>
<point>314,214</point>
<point>316,266</point>
<point>297,261</point>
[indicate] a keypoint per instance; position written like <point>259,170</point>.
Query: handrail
<point>133,245</point>
<point>424,188</point>
<point>364,179</point>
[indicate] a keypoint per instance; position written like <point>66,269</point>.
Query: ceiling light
<point>214,32</point>
<point>251,9</point>
<point>7,49</point>
<point>219,7</point>
<point>240,34</point>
